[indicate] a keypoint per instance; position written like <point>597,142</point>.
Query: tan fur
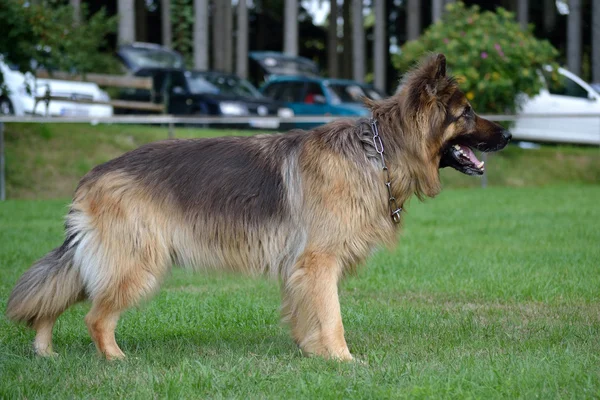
<point>306,207</point>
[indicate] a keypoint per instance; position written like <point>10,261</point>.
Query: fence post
<point>171,130</point>
<point>2,178</point>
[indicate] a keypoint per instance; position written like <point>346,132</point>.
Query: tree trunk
<point>523,13</point>
<point>242,40</point>
<point>574,37</point>
<point>332,40</point>
<point>201,34</point>
<point>126,11</point>
<point>380,54</point>
<point>290,26</point>
<point>413,16</point>
<point>595,41</point>
<point>227,36</point>
<point>347,54</point>
<point>358,41</point>
<point>165,15</point>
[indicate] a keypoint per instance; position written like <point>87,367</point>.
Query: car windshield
<point>373,93</point>
<point>152,58</point>
<point>198,84</point>
<point>231,85</point>
<point>283,66</point>
<point>346,93</point>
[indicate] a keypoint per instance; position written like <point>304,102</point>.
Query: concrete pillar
<point>332,40</point>
<point>242,40</point>
<point>165,16</point>
<point>126,11</point>
<point>413,16</point>
<point>290,26</point>
<point>574,37</point>
<point>380,53</point>
<point>200,34</point>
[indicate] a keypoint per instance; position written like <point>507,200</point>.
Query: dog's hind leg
<point>43,336</point>
<point>126,277</point>
<point>123,291</point>
<point>312,306</point>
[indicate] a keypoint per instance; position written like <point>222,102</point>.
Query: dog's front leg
<point>311,305</point>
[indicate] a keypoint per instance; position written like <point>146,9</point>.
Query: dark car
<point>207,93</point>
<point>136,56</point>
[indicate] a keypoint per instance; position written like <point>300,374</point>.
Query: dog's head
<point>443,121</point>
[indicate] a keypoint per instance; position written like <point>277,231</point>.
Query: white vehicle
<point>19,101</point>
<point>570,95</point>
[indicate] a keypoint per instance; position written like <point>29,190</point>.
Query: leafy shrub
<point>490,56</point>
<point>45,33</point>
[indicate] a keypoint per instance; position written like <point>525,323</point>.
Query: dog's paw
<point>45,352</point>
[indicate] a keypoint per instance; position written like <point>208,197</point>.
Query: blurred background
<point>256,65</point>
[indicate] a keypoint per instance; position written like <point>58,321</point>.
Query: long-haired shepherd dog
<point>305,207</point>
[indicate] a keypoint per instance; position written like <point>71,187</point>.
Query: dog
<point>304,207</point>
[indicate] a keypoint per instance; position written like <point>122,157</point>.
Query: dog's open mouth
<point>462,158</point>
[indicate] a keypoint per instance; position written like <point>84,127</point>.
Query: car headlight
<point>285,113</point>
<point>233,109</point>
<point>103,96</point>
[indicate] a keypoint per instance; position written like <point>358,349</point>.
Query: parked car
<point>19,96</point>
<point>264,64</point>
<point>208,93</point>
<point>140,55</point>
<point>320,96</point>
<point>569,95</point>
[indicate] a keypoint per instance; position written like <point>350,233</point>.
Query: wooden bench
<point>104,80</point>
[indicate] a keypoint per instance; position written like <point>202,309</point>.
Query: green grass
<point>490,293</point>
<point>45,161</point>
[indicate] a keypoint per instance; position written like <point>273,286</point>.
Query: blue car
<point>320,96</point>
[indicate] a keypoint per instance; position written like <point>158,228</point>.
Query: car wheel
<point>6,107</point>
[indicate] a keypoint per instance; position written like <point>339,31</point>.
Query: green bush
<point>491,57</point>
<point>46,33</point>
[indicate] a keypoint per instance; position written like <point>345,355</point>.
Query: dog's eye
<point>466,112</point>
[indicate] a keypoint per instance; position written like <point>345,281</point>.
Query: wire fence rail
<point>167,118</point>
<point>171,121</point>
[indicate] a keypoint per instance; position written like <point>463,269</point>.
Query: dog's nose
<point>506,135</point>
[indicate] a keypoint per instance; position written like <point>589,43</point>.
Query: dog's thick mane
<point>410,116</point>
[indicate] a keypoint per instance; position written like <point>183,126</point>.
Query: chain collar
<point>395,211</point>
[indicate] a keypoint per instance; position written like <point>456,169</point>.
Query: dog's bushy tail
<point>46,289</point>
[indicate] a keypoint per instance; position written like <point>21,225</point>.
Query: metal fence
<point>172,121</point>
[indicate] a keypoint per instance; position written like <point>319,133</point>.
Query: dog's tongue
<point>469,153</point>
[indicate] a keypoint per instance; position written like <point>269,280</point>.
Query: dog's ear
<point>436,72</point>
<point>441,66</point>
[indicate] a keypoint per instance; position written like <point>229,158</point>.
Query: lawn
<point>490,293</point>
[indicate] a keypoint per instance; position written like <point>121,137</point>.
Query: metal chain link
<point>393,203</point>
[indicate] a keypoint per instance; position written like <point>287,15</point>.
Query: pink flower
<point>484,55</point>
<point>446,40</point>
<point>499,50</point>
